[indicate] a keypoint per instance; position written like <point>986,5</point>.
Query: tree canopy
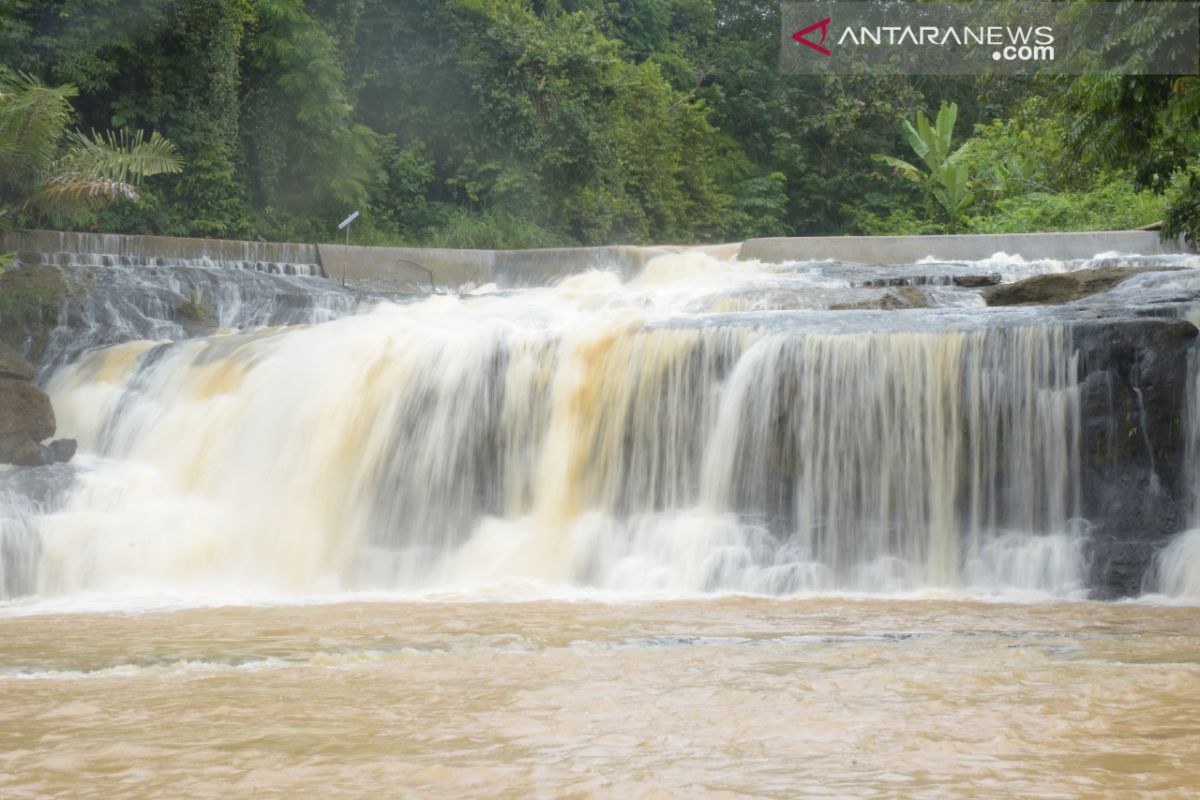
<point>544,122</point>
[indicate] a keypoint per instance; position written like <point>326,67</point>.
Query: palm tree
<point>47,170</point>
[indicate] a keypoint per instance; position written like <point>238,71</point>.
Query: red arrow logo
<point>824,26</point>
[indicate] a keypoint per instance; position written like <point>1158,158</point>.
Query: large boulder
<point>1062,287</point>
<point>26,417</point>
<point>13,366</point>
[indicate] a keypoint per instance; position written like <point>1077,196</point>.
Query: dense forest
<point>513,123</point>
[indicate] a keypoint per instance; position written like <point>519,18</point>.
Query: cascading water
<point>626,436</point>
<point>103,299</point>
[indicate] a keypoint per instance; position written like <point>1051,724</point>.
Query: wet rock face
<point>59,451</point>
<point>1133,413</point>
<point>26,417</point>
<point>1057,288</point>
<point>30,308</point>
<point>12,366</point>
<point>52,308</point>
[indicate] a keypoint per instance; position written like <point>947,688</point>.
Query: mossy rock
<point>196,312</point>
<point>31,299</point>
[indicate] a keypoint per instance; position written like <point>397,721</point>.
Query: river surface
<point>719,697</point>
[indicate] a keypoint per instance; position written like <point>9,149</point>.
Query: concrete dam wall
<point>967,247</point>
<point>408,269</point>
<point>111,249</point>
<point>412,269</point>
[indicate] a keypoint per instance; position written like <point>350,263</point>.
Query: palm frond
<point>118,156</point>
<point>73,194</point>
<point>33,118</point>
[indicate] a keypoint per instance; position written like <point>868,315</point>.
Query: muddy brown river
<point>722,697</point>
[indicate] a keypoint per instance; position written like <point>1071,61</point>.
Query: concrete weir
<point>415,269</point>
<point>408,269</point>
<point>49,247</point>
<point>412,269</point>
<point>967,247</point>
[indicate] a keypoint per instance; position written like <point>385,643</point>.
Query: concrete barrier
<point>969,247</point>
<point>412,269</point>
<point>160,247</point>
<point>408,269</point>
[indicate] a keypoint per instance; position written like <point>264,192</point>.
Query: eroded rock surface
<point>1062,287</point>
<point>1133,417</point>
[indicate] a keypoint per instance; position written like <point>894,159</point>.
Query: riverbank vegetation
<point>515,123</point>
<point>49,174</point>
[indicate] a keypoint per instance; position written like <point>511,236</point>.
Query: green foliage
<point>903,221</point>
<point>945,177</point>
<point>1183,212</point>
<point>33,121</point>
<point>97,169</point>
<point>760,202</point>
<point>1114,204</point>
<point>295,83</point>
<point>489,230</point>
<point>519,122</point>
<point>1151,122</point>
<point>47,170</point>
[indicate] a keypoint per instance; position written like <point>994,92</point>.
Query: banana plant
<point>944,176</point>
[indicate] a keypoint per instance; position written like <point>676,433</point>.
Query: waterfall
<point>596,433</point>
<point>103,299</point>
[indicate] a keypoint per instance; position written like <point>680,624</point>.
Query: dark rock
<point>894,298</point>
<point>59,451</point>
<point>1062,287</point>
<point>22,451</point>
<point>976,281</point>
<point>912,278</point>
<point>904,297</point>
<point>1119,567</point>
<point>1133,411</point>
<point>26,418</point>
<point>13,366</point>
